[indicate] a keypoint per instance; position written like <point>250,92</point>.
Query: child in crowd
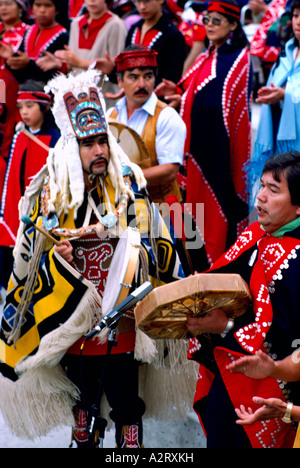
<point>41,40</point>
<point>28,154</point>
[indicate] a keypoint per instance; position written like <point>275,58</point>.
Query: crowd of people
<point>78,76</point>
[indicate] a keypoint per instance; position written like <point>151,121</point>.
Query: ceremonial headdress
<point>228,9</point>
<point>136,58</point>
<point>79,111</point>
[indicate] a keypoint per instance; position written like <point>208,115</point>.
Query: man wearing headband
<point>88,196</point>
<point>160,126</point>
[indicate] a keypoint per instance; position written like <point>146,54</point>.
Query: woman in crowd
<point>214,103</point>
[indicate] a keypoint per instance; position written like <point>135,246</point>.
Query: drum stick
<point>26,220</point>
<point>21,128</point>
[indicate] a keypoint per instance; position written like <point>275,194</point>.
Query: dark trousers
<point>120,384</point>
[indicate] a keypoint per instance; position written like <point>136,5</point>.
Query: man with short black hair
<point>266,255</point>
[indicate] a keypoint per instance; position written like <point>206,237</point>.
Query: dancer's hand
<point>65,250</point>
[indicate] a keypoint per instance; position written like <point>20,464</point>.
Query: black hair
<point>286,165</point>
<point>39,86</point>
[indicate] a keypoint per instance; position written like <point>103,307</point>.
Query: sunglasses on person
<point>215,21</point>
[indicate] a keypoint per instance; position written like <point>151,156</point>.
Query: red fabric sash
<point>273,433</point>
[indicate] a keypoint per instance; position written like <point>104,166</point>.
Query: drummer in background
<point>86,182</point>
<point>160,127</point>
<point>266,255</point>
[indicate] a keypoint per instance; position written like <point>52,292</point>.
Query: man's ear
<point>120,82</point>
<point>298,211</point>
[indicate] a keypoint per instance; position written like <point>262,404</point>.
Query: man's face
<point>274,206</point>
<point>138,85</point>
<point>94,155</point>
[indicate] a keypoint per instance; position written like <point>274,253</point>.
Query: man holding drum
<point>266,256</point>
<point>89,195</point>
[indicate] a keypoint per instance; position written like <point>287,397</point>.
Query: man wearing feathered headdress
<point>88,196</point>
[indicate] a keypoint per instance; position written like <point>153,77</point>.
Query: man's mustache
<point>101,158</point>
<point>141,91</point>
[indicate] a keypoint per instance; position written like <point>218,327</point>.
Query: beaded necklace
<point>105,222</point>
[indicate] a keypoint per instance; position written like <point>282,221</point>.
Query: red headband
<point>35,96</point>
<point>136,59</point>
<point>225,9</point>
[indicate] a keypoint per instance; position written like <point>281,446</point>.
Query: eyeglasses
<point>215,21</point>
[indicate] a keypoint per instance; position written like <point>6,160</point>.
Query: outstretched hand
<point>259,366</point>
<point>270,408</point>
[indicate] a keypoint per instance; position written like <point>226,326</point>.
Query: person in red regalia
<point>266,256</point>
<point>214,95</point>
<point>28,154</point>
<point>12,30</point>
<point>41,40</point>
<point>156,31</point>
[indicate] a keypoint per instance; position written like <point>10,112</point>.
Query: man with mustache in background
<point>160,127</point>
